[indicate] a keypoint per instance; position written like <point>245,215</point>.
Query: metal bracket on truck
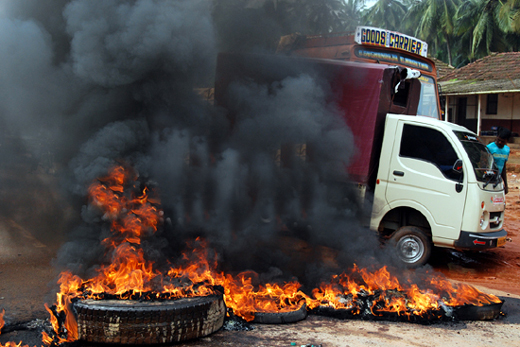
<point>406,74</point>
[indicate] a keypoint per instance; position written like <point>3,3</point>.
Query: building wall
<point>470,120</point>
<point>508,113</point>
<point>452,109</point>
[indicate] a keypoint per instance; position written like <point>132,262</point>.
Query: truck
<point>423,182</point>
<point>376,45</point>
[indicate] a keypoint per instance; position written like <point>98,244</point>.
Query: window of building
<point>492,104</point>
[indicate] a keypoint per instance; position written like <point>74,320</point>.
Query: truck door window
<point>482,160</point>
<point>428,101</point>
<point>430,145</point>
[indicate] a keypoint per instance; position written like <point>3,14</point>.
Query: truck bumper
<point>470,240</point>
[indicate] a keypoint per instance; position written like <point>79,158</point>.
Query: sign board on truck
<point>385,38</point>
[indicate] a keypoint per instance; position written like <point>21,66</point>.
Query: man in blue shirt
<point>500,152</point>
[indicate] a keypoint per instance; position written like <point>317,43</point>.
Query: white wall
<point>508,106</point>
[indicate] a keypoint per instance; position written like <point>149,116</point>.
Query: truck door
<point>421,176</point>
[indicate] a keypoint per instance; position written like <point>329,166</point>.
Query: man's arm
<point>504,177</point>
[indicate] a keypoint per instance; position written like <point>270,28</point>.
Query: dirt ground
<point>26,279</point>
<point>497,269</point>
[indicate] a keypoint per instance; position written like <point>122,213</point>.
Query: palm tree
<point>436,23</point>
<point>466,18</point>
<point>509,16</point>
<point>387,14</point>
<point>325,16</point>
<point>352,14</point>
<point>479,21</point>
<point>275,18</point>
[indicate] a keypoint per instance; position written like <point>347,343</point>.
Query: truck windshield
<point>428,100</point>
<point>481,159</point>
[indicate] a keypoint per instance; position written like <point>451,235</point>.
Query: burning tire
<point>142,322</point>
<point>484,312</point>
<point>413,247</point>
<point>281,317</point>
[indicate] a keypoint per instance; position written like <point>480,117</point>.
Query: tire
<point>281,317</point>
<point>148,322</point>
<point>412,246</point>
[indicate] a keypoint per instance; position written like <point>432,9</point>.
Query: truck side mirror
<point>457,167</point>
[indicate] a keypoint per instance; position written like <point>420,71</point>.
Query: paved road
<point>27,281</point>
<point>26,278</point>
<point>26,274</point>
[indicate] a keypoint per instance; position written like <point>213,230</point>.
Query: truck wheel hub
<point>410,248</point>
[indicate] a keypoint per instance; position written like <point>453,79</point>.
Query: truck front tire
<point>412,246</point>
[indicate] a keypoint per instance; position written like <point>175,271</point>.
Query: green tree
<point>433,21</point>
<point>480,25</point>
<point>466,19</point>
<point>325,16</point>
<point>387,14</point>
<point>274,18</point>
<point>509,16</point>
<point>352,14</point>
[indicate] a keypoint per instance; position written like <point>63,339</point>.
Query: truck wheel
<point>413,247</point>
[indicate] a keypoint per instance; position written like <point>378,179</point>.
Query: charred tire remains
<point>149,322</point>
<point>412,246</point>
<point>281,317</point>
<point>442,314</point>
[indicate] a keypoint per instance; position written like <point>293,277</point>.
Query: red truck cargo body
<point>372,45</point>
<point>363,92</point>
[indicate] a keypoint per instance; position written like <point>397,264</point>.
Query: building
<point>485,94</point>
<point>442,68</point>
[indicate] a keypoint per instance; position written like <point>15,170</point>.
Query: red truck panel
<point>358,90</point>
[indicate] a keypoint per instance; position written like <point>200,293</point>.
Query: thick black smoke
<point>71,68</point>
<point>86,85</point>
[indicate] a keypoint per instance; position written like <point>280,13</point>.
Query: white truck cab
<point>437,185</point>
<point>434,183</point>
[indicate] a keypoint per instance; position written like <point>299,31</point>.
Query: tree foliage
<point>457,31</point>
<point>386,14</point>
<point>460,31</point>
<point>260,23</point>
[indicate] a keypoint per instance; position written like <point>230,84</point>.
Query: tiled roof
<point>442,68</point>
<point>498,72</point>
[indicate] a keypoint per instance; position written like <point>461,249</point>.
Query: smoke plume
<point>86,85</point>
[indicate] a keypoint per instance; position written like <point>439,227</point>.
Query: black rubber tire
<point>281,317</point>
<point>484,312</point>
<point>412,246</point>
<point>142,322</point>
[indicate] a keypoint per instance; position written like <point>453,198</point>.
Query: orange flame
<point>13,344</point>
<point>9,343</point>
<point>402,299</point>
<point>241,294</point>
<point>127,273</point>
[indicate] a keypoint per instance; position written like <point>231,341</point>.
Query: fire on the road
<point>127,274</point>
<point>8,344</point>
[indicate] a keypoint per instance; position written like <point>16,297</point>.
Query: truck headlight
<point>484,220</point>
